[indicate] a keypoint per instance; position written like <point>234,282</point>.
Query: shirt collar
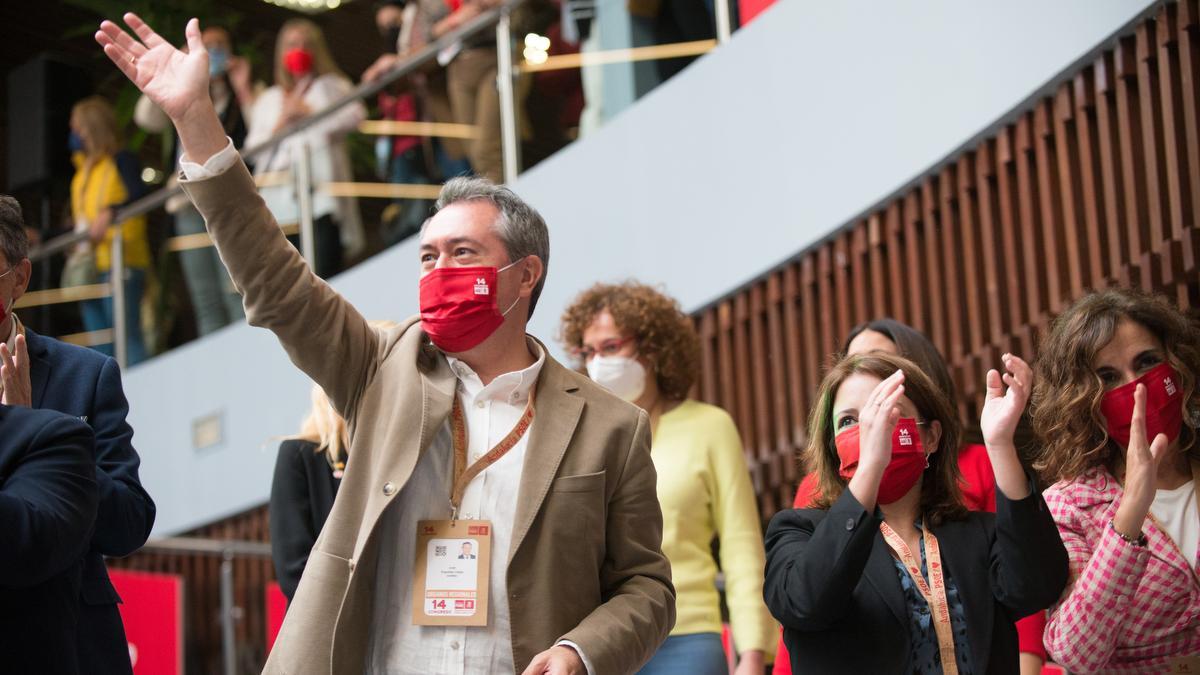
<point>510,387</point>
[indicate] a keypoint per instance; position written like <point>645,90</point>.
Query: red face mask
<point>458,306</point>
<point>1164,406</point>
<point>902,473</point>
<point>298,61</point>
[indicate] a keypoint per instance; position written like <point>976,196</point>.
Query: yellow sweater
<point>97,187</point>
<point>705,492</point>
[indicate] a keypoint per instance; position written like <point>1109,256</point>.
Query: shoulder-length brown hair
<point>95,116</point>
<point>323,62</point>
<point>665,335</point>
<point>941,499</point>
<point>1067,391</point>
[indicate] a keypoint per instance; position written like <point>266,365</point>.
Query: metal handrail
<point>406,67</point>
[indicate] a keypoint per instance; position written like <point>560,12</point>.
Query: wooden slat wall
<point>202,593</point>
<point>1097,184</point>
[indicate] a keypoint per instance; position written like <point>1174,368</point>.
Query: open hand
<point>877,420</point>
<point>15,374</point>
<point>175,81</point>
<point>1142,458</point>
<point>1002,409</point>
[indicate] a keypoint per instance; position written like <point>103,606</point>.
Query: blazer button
<point>351,565</point>
<point>389,489</point>
<point>849,524</point>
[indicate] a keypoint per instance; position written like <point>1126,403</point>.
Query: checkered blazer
<point>1128,608</point>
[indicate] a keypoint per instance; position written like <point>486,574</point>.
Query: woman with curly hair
<point>888,550</point>
<point>636,342</point>
<point>1117,410</point>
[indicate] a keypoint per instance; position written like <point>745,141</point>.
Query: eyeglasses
<point>606,348</point>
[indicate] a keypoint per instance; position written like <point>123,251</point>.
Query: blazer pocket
<point>584,482</point>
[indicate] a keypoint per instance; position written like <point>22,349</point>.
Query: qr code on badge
<point>439,551</point>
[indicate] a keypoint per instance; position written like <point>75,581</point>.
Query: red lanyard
<point>463,474</point>
<point>936,597</point>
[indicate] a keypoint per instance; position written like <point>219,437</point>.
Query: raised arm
<point>323,334</point>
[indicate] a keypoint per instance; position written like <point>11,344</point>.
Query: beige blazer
<point>585,564</point>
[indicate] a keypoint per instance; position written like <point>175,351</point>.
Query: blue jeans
<point>97,315</point>
<point>694,654</point>
<point>214,300</point>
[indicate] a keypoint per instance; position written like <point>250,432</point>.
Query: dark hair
<point>913,345</point>
<point>14,243</point>
<point>941,498</point>
<point>1067,391</point>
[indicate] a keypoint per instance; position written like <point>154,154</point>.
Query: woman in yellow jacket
<point>106,179</point>
<point>637,343</point>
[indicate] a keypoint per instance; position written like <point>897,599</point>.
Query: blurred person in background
<point>471,70</point>
<point>1117,409</point>
<point>977,484</point>
<point>308,471</point>
<point>47,507</point>
<point>306,81</point>
<point>214,300</point>
<point>41,372</point>
<point>107,178</point>
<point>637,343</point>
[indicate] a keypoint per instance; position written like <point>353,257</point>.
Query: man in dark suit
<point>47,506</point>
<point>42,372</point>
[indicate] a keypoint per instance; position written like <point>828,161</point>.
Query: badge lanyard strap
<point>936,597</point>
<point>463,474</point>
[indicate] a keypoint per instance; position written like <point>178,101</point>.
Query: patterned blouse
<point>925,655</point>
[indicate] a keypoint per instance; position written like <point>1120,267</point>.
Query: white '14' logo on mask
<point>1169,385</point>
<point>481,286</point>
<point>905,438</point>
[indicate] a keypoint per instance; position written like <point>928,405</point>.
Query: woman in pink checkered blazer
<point>1116,406</point>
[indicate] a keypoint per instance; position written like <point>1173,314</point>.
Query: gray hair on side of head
<point>14,243</point>
<point>519,225</point>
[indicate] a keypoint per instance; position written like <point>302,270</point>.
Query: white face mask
<point>623,376</point>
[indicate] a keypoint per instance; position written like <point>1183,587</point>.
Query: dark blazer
<point>302,494</point>
<point>86,384</point>
<point>48,503</point>
<point>831,582</point>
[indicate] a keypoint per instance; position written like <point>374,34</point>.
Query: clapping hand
<point>1001,413</point>
<point>1142,458</point>
<point>876,422</point>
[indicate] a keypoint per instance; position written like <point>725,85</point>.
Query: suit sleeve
<point>735,514</point>
<point>813,567</point>
<point>281,293</point>
<point>1079,632</point>
<point>1028,561</point>
<point>126,513</point>
<point>48,505</point>
<point>624,632</point>
<point>290,512</point>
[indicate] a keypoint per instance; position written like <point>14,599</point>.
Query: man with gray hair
<point>463,430</point>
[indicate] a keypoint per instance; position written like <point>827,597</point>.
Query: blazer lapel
<point>881,572</point>
<point>973,582</point>
<point>39,366</point>
<point>556,415</point>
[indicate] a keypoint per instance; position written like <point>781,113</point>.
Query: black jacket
<point>47,506</point>
<point>302,494</point>
<point>831,582</point>
<point>86,384</point>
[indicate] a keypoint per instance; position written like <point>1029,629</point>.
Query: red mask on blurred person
<point>1164,406</point>
<point>902,473</point>
<point>458,306</point>
<point>298,61</point>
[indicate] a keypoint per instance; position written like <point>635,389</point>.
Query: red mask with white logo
<point>1164,406</point>
<point>458,306</point>
<point>902,473</point>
